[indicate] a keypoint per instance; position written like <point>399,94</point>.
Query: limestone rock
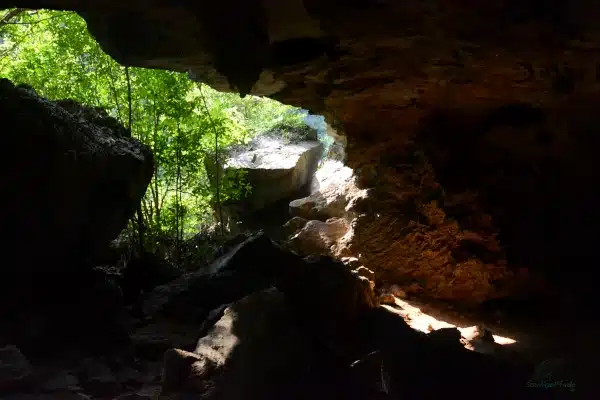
<point>14,367</point>
<point>64,380</point>
<point>249,266</point>
<point>278,172</point>
<point>365,272</point>
<point>398,291</point>
<point>367,176</point>
<point>75,181</point>
<point>257,339</point>
<point>177,370</point>
<point>319,238</point>
<point>329,298</point>
<point>337,150</point>
<point>387,298</point>
<point>451,336</point>
<point>273,167</point>
<point>265,342</point>
<point>96,175</point>
<point>351,262</point>
<point>332,206</point>
<point>333,190</point>
<point>293,226</point>
<point>413,359</point>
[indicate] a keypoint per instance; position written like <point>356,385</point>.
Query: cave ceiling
<point>362,60</point>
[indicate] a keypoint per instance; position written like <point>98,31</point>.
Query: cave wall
<point>428,94</point>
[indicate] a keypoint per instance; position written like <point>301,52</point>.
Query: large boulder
<point>333,194</point>
<point>74,179</point>
<point>410,361</point>
<point>255,351</point>
<point>328,212</point>
<point>15,368</point>
<point>274,166</point>
<point>248,266</point>
<point>290,342</point>
<point>278,172</point>
<point>320,334</point>
<point>330,302</point>
<point>320,238</point>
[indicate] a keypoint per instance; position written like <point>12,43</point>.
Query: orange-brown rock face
<point>473,122</point>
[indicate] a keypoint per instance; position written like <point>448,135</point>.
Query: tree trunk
<point>140,216</point>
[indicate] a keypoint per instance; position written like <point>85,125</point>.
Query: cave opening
<point>267,152</point>
<point>442,218</point>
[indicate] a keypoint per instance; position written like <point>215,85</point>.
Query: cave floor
<point>569,333</point>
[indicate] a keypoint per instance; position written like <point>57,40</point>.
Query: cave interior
<point>499,99</point>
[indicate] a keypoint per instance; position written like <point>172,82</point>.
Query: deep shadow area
<point>301,50</point>
<point>536,177</point>
<point>271,218</point>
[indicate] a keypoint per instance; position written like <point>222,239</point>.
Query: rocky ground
<point>260,322</point>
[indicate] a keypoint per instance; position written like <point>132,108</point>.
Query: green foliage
<point>177,118</point>
<point>235,185</point>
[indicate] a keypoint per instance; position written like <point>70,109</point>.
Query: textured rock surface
<point>246,354</point>
<point>385,70</point>
<point>77,378</point>
<point>320,238</point>
<point>310,338</point>
<point>74,181</point>
<point>242,270</point>
<point>277,166</point>
<point>14,367</point>
<point>277,170</point>
<point>322,222</point>
<point>332,190</point>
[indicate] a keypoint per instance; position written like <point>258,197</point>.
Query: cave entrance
<point>188,126</point>
<point>277,165</point>
<point>280,165</point>
<point>268,153</point>
<point>280,168</point>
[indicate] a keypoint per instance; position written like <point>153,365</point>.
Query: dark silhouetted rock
<point>249,266</point>
<point>74,180</point>
<point>257,350</point>
<point>143,273</point>
<point>15,368</point>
